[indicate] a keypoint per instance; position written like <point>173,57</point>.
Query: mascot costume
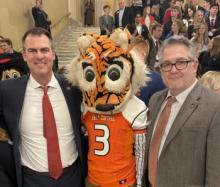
<point>109,72</point>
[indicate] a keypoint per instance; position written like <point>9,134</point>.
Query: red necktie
<point>156,140</point>
<point>50,133</point>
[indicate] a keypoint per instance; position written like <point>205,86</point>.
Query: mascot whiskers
<point>109,72</point>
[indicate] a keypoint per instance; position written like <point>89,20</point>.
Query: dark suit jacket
<point>191,153</point>
<point>12,94</point>
<point>151,59</point>
<point>127,17</point>
<point>7,168</point>
<point>208,63</point>
<point>216,25</point>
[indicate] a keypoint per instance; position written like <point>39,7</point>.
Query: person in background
<point>8,53</point>
<point>137,6</point>
<point>177,28</point>
<point>175,11</point>
<point>147,19</point>
<point>198,18</point>
<point>167,11</point>
<point>42,115</point>
<point>155,11</point>
<point>89,13</point>
<point>1,38</point>
<point>218,2</point>
<point>123,16</point>
<point>183,142</point>
<point>106,22</point>
<point>210,60</point>
<point>196,3</point>
<point>167,15</point>
<point>41,18</point>
<point>154,43</point>
<point>137,28</point>
<point>7,46</point>
<point>211,80</point>
<point>206,6</point>
<point>213,21</point>
<point>190,14</point>
<point>201,39</point>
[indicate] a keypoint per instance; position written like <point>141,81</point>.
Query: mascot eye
<point>15,75</point>
<point>7,76</point>
<point>89,75</point>
<point>114,74</point>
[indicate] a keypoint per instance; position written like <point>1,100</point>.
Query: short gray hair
<point>181,40</point>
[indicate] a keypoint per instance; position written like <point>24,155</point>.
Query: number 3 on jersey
<point>102,139</point>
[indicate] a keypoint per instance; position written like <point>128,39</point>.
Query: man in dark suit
<point>137,28</point>
<point>25,106</point>
<point>154,43</point>
<point>124,15</point>
<point>213,21</point>
<point>183,142</point>
<point>41,18</point>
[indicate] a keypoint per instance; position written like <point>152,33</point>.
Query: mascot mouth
<point>105,107</point>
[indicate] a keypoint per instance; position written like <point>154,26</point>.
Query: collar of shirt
<point>121,9</point>
<point>183,95</point>
<point>155,40</point>
<point>34,84</point>
<point>210,18</point>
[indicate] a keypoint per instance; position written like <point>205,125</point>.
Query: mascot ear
<point>71,70</point>
<point>85,41</point>
<point>121,38</point>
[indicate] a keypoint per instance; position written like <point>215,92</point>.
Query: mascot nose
<point>105,108</point>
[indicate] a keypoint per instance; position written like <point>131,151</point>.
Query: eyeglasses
<point>179,65</point>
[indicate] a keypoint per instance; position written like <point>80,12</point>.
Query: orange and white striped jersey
<point>111,160</point>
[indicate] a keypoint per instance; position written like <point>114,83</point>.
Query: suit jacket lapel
<point>153,116</point>
<point>156,105</point>
<point>185,112</point>
<point>20,93</point>
<point>156,108</point>
<point>68,95</point>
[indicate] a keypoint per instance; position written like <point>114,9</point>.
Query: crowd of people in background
<point>200,23</point>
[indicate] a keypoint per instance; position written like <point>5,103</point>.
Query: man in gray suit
<point>188,153</point>
<point>106,22</point>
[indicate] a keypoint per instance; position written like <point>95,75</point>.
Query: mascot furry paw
<point>109,72</point>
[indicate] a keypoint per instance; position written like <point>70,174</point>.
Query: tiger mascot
<point>109,71</point>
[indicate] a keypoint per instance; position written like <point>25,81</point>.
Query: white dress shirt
<point>121,12</point>
<point>139,29</point>
<point>33,145</point>
<point>175,108</point>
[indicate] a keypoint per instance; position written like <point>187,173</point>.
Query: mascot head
<point>108,70</point>
<point>12,68</point>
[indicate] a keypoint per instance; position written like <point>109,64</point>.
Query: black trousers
<point>71,177</point>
